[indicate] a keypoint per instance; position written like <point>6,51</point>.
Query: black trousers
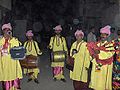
<point>78,85</point>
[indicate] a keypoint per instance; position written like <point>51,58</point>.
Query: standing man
<point>79,75</point>
<point>10,70</point>
<point>91,37</point>
<point>32,49</point>
<point>102,63</point>
<point>113,35</point>
<point>116,64</point>
<point>58,43</point>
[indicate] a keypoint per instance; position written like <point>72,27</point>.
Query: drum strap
<point>34,46</point>
<point>62,44</point>
<point>61,40</point>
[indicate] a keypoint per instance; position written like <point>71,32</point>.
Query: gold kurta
<point>30,47</point>
<point>82,61</point>
<point>102,80</point>
<point>9,69</point>
<point>58,44</point>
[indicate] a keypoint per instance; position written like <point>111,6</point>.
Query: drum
<point>30,62</point>
<point>70,63</point>
<point>58,56</point>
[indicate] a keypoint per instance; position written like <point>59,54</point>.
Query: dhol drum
<point>70,63</point>
<point>30,62</point>
<point>58,56</point>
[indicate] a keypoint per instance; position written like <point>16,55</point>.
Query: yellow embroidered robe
<point>56,45</point>
<point>9,69</point>
<point>31,50</point>
<point>81,62</point>
<point>102,80</point>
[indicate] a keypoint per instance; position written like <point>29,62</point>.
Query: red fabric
<point>5,46</point>
<point>105,61</point>
<point>57,70</point>
<point>93,46</point>
<point>8,84</point>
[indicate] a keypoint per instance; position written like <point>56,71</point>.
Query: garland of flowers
<point>93,46</point>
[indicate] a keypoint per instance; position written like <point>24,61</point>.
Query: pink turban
<point>7,26</point>
<point>58,27</point>
<point>106,30</point>
<point>29,33</point>
<point>79,32</point>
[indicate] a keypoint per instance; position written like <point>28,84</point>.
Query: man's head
<point>58,29</point>
<point>7,30</point>
<point>92,29</point>
<point>29,35</point>
<point>112,30</point>
<point>79,35</point>
<point>105,32</point>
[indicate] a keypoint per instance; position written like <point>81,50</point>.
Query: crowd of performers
<point>104,55</point>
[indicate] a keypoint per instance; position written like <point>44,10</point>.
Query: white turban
<point>7,26</point>
<point>79,32</point>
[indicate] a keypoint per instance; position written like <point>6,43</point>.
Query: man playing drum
<point>32,49</point>
<point>10,70</point>
<point>58,43</point>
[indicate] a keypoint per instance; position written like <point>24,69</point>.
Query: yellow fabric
<point>31,50</point>
<point>102,80</point>
<point>103,54</point>
<point>82,61</point>
<point>9,69</point>
<point>13,88</point>
<point>35,72</point>
<point>58,44</point>
<point>54,47</point>
<point>59,76</point>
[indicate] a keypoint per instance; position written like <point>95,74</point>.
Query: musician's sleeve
<point>71,49</point>
<point>25,44</point>
<point>51,43</point>
<point>17,41</point>
<point>38,49</point>
<point>87,58</point>
<point>65,45</point>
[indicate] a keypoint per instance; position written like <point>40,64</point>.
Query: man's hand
<point>97,51</point>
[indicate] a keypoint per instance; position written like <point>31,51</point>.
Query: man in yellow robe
<point>102,63</point>
<point>81,56</point>
<point>58,43</point>
<point>32,49</point>
<point>10,70</point>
